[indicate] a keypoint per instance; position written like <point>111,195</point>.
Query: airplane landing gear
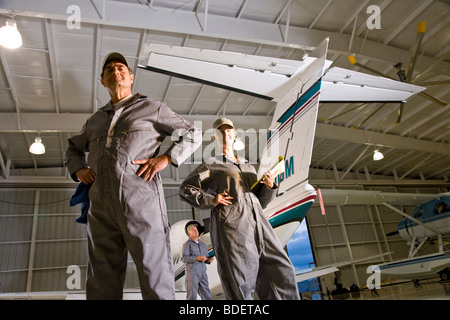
<point>445,274</point>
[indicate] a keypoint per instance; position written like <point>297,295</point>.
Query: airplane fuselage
<point>434,214</point>
<point>415,268</point>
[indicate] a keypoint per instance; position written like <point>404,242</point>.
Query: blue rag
<point>81,195</point>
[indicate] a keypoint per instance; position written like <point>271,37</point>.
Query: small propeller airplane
<point>296,87</point>
<point>430,221</point>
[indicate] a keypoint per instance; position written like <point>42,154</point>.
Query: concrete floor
<point>431,289</point>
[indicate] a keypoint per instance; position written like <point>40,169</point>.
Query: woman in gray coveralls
<point>249,255</point>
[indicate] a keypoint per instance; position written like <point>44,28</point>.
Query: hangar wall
<point>39,238</point>
<point>347,233</point>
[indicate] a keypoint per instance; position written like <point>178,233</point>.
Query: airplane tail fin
<point>294,122</point>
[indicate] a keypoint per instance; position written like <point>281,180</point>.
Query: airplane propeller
<point>406,76</point>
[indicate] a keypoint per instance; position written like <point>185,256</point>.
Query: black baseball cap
<point>114,56</point>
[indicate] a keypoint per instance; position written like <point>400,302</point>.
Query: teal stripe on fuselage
<point>303,99</point>
<point>401,224</point>
<point>444,255</point>
<point>296,213</point>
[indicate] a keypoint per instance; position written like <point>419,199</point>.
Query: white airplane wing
<point>268,77</point>
<point>307,275</point>
<point>367,197</point>
<point>263,77</point>
<point>342,85</point>
<point>323,270</point>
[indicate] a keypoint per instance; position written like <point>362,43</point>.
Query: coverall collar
<point>224,158</point>
<point>198,240</point>
<point>110,107</point>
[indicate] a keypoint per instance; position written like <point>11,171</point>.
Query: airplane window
<point>441,207</point>
<point>419,213</point>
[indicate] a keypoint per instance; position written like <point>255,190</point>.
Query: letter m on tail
<point>289,167</point>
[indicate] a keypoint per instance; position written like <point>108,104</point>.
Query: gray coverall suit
<point>196,277</point>
<point>249,255</point>
<point>127,212</point>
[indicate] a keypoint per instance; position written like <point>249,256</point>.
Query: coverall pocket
<point>137,143</point>
<point>226,212</point>
<point>94,149</point>
<point>133,186</point>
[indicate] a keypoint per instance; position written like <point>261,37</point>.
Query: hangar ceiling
<point>50,85</point>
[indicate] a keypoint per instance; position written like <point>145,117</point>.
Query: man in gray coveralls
<point>195,257</point>
<point>128,209</point>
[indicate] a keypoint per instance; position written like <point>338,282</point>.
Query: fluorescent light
<point>37,147</point>
<point>377,155</point>
<point>9,35</point>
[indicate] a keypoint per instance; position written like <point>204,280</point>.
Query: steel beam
<point>221,27</point>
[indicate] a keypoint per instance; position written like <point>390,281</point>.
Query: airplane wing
<point>314,273</point>
<point>367,197</point>
<point>342,85</point>
<point>268,77</point>
<point>263,77</point>
<point>307,274</point>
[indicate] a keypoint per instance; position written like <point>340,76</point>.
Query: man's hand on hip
<point>149,167</point>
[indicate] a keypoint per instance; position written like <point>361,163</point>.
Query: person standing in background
<point>195,256</point>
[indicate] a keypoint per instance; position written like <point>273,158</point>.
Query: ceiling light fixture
<point>377,155</point>
<point>37,147</point>
<point>9,35</point>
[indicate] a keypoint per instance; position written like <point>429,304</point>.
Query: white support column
<point>441,246</point>
<point>373,223</point>
<point>33,240</point>
<point>4,167</point>
<point>347,242</point>
<point>383,232</point>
